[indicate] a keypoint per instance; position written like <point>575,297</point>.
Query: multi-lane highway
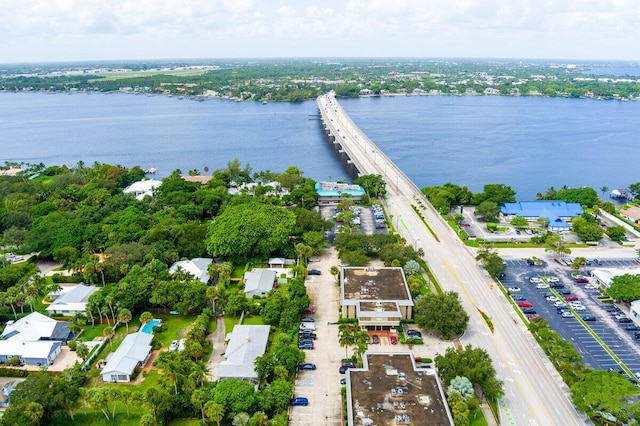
<point>534,392</point>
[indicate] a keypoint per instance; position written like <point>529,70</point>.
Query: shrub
<point>72,345</point>
<point>12,372</point>
<point>14,361</point>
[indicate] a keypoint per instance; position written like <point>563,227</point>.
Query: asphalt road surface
<point>534,392</point>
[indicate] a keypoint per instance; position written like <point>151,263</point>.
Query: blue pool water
<point>148,327</point>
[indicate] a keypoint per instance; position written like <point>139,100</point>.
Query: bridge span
<point>534,392</point>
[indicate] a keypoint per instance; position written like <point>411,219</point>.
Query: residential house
<point>378,298</point>
<point>258,282</point>
<point>71,300</point>
<point>133,352</point>
<point>35,327</point>
<point>43,352</point>
<point>631,213</point>
<point>6,389</point>
<point>198,267</point>
<point>142,188</point>
<point>245,344</point>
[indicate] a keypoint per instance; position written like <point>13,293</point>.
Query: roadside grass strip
<point>415,209</point>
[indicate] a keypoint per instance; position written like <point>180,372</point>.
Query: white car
<point>173,346</point>
<point>578,307</point>
<point>553,279</point>
<point>567,315</point>
<point>535,280</point>
<point>513,289</point>
<point>307,326</point>
<point>551,299</point>
<point>591,286</point>
<point>542,285</point>
<point>559,303</point>
<point>181,344</point>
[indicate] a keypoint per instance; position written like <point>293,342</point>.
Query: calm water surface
<point>528,143</point>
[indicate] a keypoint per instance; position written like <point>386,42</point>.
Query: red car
<point>571,297</point>
<point>525,304</point>
<point>582,280</point>
<point>533,317</point>
<point>393,339</point>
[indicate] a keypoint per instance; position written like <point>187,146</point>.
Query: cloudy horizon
<point>94,30</point>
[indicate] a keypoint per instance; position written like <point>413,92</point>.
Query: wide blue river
<point>528,143</point>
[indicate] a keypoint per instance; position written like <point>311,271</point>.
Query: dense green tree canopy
<point>472,363</point>
<point>601,391</point>
<point>488,211</point>
<point>374,185</point>
<point>587,228</point>
<point>625,287</point>
<point>247,230</point>
<point>442,313</point>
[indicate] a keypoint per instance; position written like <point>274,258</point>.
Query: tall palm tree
<point>125,316</point>
<point>212,294</point>
<point>108,333</point>
<point>346,336</point>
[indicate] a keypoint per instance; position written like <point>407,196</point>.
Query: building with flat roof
<point>391,390</point>
<point>378,298</point>
<point>604,276</point>
<point>334,192</point>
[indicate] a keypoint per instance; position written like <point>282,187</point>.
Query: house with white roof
<point>258,282</point>
<point>142,188</point>
<point>43,352</point>
<point>245,344</point>
<point>6,389</point>
<point>198,267</point>
<point>133,352</point>
<point>71,300</point>
<point>35,327</point>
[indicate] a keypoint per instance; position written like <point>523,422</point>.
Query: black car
<point>375,339</point>
<point>343,369</point>
<point>305,345</point>
<point>307,366</point>
<point>315,272</point>
<point>529,311</point>
<point>413,333</point>
<point>632,328</point>
<point>308,335</point>
<point>612,308</point>
<point>501,276</point>
<point>588,318</point>
<point>530,262</point>
<point>625,320</point>
<point>519,298</point>
<point>556,285</point>
<point>564,291</point>
<point>349,364</point>
<point>307,319</point>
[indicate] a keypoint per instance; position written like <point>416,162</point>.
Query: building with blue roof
<point>559,213</point>
<point>334,192</point>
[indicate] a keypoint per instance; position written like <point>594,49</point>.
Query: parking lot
<point>606,326</point>
<point>369,219</point>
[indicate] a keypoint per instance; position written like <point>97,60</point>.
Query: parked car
<point>533,317</point>
<point>300,401</point>
<point>591,286</point>
<point>307,335</point>
<point>553,279</point>
<point>556,285</point>
<point>307,326</point>
<point>315,272</point>
<point>307,319</point>
<point>632,328</point>
<point>567,315</point>
<point>625,320</point>
<point>518,298</point>
<point>588,318</point>
<point>524,304</point>
<point>413,333</point>
<point>535,280</point>
<point>564,291</point>
<point>582,280</point>
<point>529,311</point>
<point>349,364</point>
<point>343,369</point>
<point>542,286</point>
<point>305,345</point>
<point>559,303</point>
<point>513,289</point>
<point>571,297</point>
<point>181,344</point>
<point>343,381</point>
<point>309,310</point>
<point>307,366</point>
<point>375,339</point>
<point>314,259</point>
<point>173,346</point>
<point>551,299</point>
<point>393,339</point>
<point>578,307</point>
<point>612,308</point>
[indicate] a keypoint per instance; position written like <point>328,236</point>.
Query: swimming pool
<point>148,327</point>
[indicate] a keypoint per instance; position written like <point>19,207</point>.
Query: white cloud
<point>42,29</point>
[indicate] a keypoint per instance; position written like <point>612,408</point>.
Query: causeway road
<point>534,392</point>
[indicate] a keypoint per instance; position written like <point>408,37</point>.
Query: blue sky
<point>64,30</point>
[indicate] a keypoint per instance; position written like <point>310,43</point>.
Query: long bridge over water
<point>534,392</point>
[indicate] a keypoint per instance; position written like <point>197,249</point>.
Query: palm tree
<point>360,340</point>
<point>604,189</point>
<point>198,398</point>
<point>34,412</point>
<point>259,418</point>
<point>82,350</point>
<point>225,272</point>
<point>241,419</point>
<point>346,336</point>
<point>125,316</point>
<point>146,317</point>
<point>212,294</point>
<point>214,411</point>
<point>108,333</point>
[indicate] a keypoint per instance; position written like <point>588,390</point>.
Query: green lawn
<point>230,322</point>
